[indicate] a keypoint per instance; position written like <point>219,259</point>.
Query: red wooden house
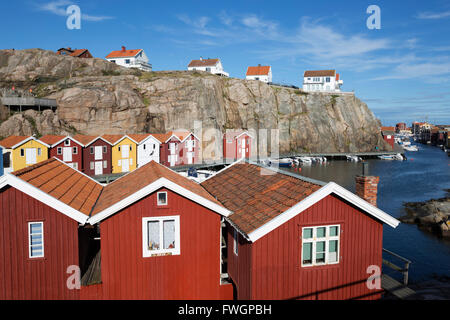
<point>96,155</point>
<point>178,148</point>
<point>66,149</point>
<point>296,238</point>
<point>388,134</point>
<point>236,145</point>
<point>151,234</point>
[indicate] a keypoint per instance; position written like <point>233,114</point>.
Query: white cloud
<point>425,71</point>
<point>433,15</point>
<point>59,8</point>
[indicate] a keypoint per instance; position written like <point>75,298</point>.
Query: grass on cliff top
<point>155,75</point>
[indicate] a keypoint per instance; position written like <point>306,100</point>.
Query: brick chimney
<point>123,48</point>
<point>367,187</point>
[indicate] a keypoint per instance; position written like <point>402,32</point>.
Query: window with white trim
<point>320,245</point>
<point>36,239</point>
<point>161,236</point>
<point>162,198</point>
<point>67,142</point>
<point>235,242</point>
<point>59,151</point>
<point>75,150</point>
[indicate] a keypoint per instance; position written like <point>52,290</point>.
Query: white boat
<point>411,148</point>
<point>305,159</point>
<point>353,158</point>
<point>286,162</point>
<point>397,156</point>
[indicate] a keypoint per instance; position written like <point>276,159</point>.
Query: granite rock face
<point>96,97</point>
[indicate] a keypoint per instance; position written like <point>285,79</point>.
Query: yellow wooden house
<point>123,152</point>
<point>23,151</point>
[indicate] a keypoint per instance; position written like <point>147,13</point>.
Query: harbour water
<point>423,176</point>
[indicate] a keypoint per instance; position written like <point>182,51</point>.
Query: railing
<point>141,63</point>
<point>403,270</point>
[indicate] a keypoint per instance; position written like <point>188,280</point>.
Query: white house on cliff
<point>261,73</point>
<point>213,66</point>
<point>135,58</point>
<point>322,80</point>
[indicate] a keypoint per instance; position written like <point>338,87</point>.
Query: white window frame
<point>29,239</point>
<point>67,142</point>
<point>59,151</point>
<point>149,253</point>
<point>157,199</point>
<point>75,150</point>
<point>327,240</point>
<point>235,242</point>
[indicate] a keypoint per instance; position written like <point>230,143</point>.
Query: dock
<point>26,103</point>
<point>392,286</point>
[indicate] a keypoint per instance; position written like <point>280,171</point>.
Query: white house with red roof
<point>213,66</point>
<point>261,73</point>
<point>322,80</point>
<point>135,58</point>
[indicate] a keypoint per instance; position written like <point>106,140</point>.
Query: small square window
<point>59,150</point>
<point>67,142</point>
<point>162,198</point>
<point>39,151</point>
<point>105,164</point>
<point>91,165</point>
<point>119,148</point>
<point>75,150</point>
<point>104,149</point>
<point>22,152</point>
<point>92,150</point>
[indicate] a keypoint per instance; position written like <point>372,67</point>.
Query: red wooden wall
<point>270,268</point>
<point>88,157</point>
<point>78,158</point>
<point>231,149</point>
<point>36,278</point>
<point>194,274</point>
<point>183,160</point>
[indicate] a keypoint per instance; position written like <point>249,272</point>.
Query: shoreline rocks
<point>432,215</point>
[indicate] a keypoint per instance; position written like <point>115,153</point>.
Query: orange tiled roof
<point>63,183</point>
<point>51,139</point>
<point>112,138</point>
<point>387,128</point>
<point>258,71</point>
<point>255,198</point>
<point>320,73</point>
<point>123,53</point>
<point>234,134</point>
<point>139,137</point>
<point>203,63</point>
<point>84,139</point>
<point>162,137</point>
<point>77,52</point>
<point>11,141</point>
<point>140,178</point>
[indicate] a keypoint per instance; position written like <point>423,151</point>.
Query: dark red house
<point>291,237</point>
<point>178,148</point>
<point>97,156</point>
<point>388,134</point>
<point>78,53</point>
<point>65,148</point>
<point>236,145</point>
<point>151,234</point>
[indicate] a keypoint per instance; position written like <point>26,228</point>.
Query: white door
<point>125,151</point>
<point>125,165</point>
<point>172,160</point>
<point>30,156</point>
<point>98,167</point>
<point>243,148</point>
<point>98,153</point>
<point>190,156</point>
<point>172,148</point>
<point>67,154</point>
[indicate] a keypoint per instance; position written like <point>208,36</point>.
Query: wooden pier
<point>392,286</point>
<point>25,103</point>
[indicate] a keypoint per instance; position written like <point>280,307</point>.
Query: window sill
<point>319,267</point>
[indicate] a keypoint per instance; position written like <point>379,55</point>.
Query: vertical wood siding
<point>78,158</point>
<point>275,263</point>
<point>38,278</point>
<point>88,157</point>
<point>194,274</point>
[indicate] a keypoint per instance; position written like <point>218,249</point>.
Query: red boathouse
<point>65,148</point>
<point>295,238</point>
<point>236,145</point>
<point>97,155</point>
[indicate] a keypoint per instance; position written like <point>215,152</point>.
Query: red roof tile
<point>123,53</point>
<point>12,141</point>
<point>51,139</point>
<point>254,197</point>
<point>258,71</point>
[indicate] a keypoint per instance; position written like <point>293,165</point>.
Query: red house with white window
<point>66,149</point>
<point>291,237</point>
<point>236,145</point>
<point>151,234</point>
<point>178,148</point>
<point>97,155</point>
<point>388,134</point>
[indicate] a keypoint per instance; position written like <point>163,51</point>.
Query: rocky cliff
<point>95,97</point>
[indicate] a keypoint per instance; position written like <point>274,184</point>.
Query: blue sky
<point>402,71</point>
